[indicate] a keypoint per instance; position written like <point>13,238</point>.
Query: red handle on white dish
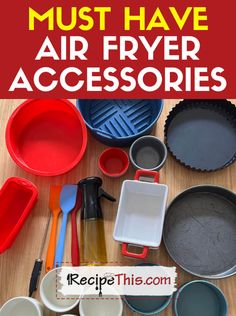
<point>147,173</point>
<point>127,253</point>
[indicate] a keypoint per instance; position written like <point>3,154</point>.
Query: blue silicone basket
<point>120,122</point>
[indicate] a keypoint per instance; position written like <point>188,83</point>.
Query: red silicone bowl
<point>114,162</point>
<point>46,137</point>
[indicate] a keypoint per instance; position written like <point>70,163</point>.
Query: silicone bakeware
<point>113,162</point>
<point>119,122</point>
<point>46,137</point>
<point>17,198</point>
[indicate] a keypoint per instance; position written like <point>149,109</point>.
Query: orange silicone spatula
<point>54,205</point>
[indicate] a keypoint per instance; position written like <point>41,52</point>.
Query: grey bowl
<point>148,153</point>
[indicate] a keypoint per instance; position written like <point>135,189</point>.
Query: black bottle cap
<point>92,192</point>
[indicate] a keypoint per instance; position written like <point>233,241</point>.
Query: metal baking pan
<point>200,231</point>
<point>201,134</point>
<point>200,298</point>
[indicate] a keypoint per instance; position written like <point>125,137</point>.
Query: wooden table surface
<point>16,264</point>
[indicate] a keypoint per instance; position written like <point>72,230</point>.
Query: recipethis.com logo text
<point>99,281</point>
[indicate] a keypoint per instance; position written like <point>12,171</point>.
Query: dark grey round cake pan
<point>200,231</point>
<point>201,134</point>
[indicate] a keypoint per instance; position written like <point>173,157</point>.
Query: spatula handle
<point>35,276</point>
<point>75,242</point>
<point>52,245</point>
<point>61,243</point>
